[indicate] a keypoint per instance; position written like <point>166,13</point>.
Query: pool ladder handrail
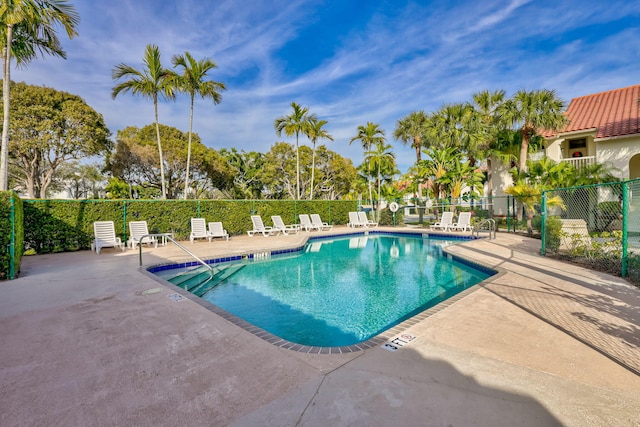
<point>165,236</point>
<point>489,225</point>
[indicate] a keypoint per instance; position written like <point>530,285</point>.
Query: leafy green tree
<point>81,181</point>
<point>315,132</point>
<point>48,129</point>
<point>368,135</point>
<point>335,174</point>
<point>532,111</point>
<point>118,189</point>
<point>152,81</point>
<point>26,28</point>
<point>246,167</point>
<point>192,82</point>
<point>281,171</point>
<point>294,124</point>
<point>136,161</point>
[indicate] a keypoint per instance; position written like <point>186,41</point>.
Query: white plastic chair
<point>446,221</point>
<point>105,236</point>
<point>259,227</point>
<point>354,220</point>
<point>316,221</point>
<point>137,229</point>
<point>464,222</point>
<point>279,225</point>
<point>305,222</point>
<point>362,215</point>
<point>199,229</point>
<point>217,230</point>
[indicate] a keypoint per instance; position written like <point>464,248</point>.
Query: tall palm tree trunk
<point>313,170</point>
<point>297,169</point>
<point>6,79</point>
<point>164,190</point>
<point>369,181</point>
<point>186,178</point>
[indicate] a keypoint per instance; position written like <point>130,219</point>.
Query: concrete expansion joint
<point>310,403</point>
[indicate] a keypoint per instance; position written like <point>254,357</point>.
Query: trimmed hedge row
<point>11,238</point>
<point>67,225</point>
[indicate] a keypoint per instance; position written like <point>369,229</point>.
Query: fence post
<point>124,223</point>
<point>625,213</point>
<point>543,209</point>
<point>12,243</point>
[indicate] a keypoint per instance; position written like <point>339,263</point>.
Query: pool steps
<point>200,280</point>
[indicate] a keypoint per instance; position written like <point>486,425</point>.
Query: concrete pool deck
<point>542,343</point>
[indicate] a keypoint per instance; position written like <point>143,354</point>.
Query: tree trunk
<point>164,189</point>
<point>6,80</point>
<point>297,169</point>
<point>524,149</point>
<point>313,169</point>
<point>186,177</point>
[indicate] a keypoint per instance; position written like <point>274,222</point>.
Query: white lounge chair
<point>362,215</point>
<point>279,225</point>
<point>217,230</point>
<point>138,229</point>
<point>259,227</point>
<point>105,236</point>
<point>354,220</point>
<point>316,221</point>
<point>199,229</point>
<point>464,222</point>
<point>446,221</point>
<point>305,222</point>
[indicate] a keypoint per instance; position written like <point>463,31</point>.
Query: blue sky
<point>348,61</point>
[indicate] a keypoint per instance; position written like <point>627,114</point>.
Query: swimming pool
<point>344,290</point>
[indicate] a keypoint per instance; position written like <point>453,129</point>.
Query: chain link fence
<point>595,225</point>
<point>503,210</point>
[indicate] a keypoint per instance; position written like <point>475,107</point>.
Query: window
<point>577,143</point>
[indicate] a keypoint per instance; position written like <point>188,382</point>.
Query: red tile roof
<point>612,113</point>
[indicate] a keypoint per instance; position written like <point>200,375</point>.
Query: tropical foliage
<point>192,82</point>
<point>48,129</point>
<point>153,81</point>
<point>299,121</point>
<point>28,27</point>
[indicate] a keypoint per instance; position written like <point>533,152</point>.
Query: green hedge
<point>11,238</point>
<point>67,225</point>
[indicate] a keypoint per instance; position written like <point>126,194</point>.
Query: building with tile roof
<point>603,128</point>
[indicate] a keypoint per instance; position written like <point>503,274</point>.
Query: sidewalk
<point>542,343</point>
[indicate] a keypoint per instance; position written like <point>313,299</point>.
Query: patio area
<point>541,343</point>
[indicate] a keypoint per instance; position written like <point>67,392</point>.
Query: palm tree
<point>28,27</point>
<point>192,82</point>
<point>150,82</point>
<point>384,162</point>
<point>532,111</point>
<point>452,125</point>
<point>368,135</point>
<point>316,132</point>
<point>530,195</point>
<point>294,124</point>
<point>488,108</point>
<point>411,129</point>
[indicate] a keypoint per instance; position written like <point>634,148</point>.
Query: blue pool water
<point>343,291</point>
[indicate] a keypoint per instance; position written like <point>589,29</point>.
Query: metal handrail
<point>166,236</point>
<point>491,227</point>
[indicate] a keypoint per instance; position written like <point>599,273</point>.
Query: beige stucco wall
<point>618,152</point>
